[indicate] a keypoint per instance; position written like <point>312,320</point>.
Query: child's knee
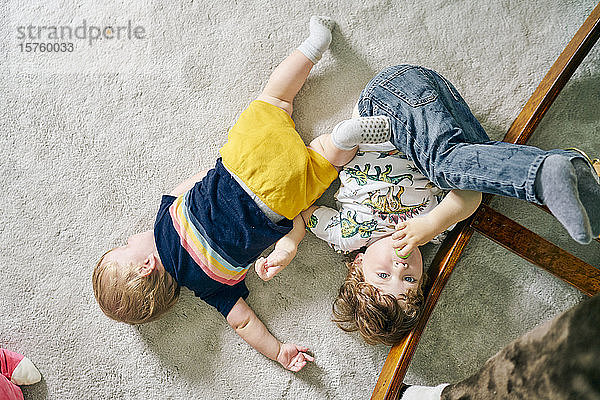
<point>336,157</point>
<point>284,105</point>
<point>317,145</point>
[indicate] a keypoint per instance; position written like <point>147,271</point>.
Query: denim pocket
<point>411,85</point>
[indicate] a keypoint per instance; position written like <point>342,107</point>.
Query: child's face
<point>389,273</point>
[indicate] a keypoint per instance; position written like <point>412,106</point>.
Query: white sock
<point>318,40</point>
<point>349,133</point>
<point>25,373</point>
<point>424,392</point>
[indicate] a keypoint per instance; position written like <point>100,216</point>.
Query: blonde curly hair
<point>126,296</point>
<point>378,317</point>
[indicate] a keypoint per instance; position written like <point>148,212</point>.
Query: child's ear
<point>353,262</point>
<point>148,266</point>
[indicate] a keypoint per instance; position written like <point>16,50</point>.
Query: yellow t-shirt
<point>266,152</point>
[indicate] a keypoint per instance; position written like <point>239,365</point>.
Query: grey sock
<point>588,187</point>
<point>556,186</point>
<point>319,38</point>
<point>348,134</point>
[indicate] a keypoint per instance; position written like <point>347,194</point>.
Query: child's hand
<point>293,357</point>
<point>267,268</point>
<point>412,233</point>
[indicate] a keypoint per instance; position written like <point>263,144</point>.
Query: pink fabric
<point>8,390</point>
<point>8,362</point>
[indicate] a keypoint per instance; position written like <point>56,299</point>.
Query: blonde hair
<point>126,296</point>
<point>378,317</point>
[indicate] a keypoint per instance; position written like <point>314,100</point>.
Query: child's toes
<point>323,20</point>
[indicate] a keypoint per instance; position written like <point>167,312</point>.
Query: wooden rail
<point>396,364</point>
<point>536,250</point>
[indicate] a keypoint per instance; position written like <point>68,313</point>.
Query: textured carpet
<point>91,139</point>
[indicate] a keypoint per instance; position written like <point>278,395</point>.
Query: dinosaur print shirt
<point>379,187</point>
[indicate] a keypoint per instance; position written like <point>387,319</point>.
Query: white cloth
<point>25,373</point>
<point>424,392</point>
<point>379,188</point>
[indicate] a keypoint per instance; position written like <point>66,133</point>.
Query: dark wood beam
<point>536,250</point>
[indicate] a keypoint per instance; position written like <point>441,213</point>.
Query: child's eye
<point>410,279</point>
<point>382,275</point>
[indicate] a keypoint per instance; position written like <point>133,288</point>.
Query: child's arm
<point>246,324</point>
<point>188,183</point>
<point>456,206</point>
<point>340,228</point>
<point>283,253</point>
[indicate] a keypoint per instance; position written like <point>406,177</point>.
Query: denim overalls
<point>433,126</point>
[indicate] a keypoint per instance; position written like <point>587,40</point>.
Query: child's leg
<point>286,80</point>
<point>341,145</point>
<point>336,156</point>
<point>289,76</point>
<point>433,126</point>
